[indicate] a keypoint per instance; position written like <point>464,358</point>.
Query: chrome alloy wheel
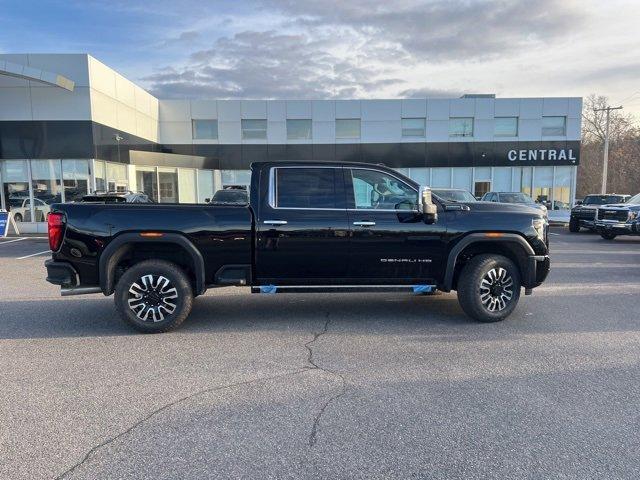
<point>152,298</point>
<point>496,289</point>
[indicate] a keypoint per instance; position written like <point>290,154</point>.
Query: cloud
<point>358,48</point>
<point>185,39</point>
<point>444,30</point>
<point>271,65</point>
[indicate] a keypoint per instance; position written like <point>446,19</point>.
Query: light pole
<point>605,163</point>
<point>118,139</point>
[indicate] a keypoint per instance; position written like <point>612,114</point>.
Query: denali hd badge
<point>405,260</point>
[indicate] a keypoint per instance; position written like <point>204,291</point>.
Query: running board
<point>270,289</point>
<point>67,292</point>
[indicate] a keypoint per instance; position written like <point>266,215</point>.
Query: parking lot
<point>327,386</point>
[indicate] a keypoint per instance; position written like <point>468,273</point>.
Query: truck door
<point>390,242</point>
<point>302,229</point>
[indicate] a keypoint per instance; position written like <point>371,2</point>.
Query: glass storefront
<point>29,187</point>
<point>117,177</point>
<point>147,182</point>
<point>168,185</point>
<point>76,178</point>
<point>15,188</point>
<point>46,184</point>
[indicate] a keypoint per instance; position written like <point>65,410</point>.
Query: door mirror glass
<point>428,208</point>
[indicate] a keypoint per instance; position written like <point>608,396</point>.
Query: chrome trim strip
<point>275,222</point>
<point>364,224</point>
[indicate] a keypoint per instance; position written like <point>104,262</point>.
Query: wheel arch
<point>125,244</point>
<point>510,245</point>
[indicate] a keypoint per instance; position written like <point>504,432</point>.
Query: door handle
<point>364,224</point>
<point>275,222</point>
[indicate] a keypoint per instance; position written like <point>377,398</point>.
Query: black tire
<point>147,302</point>
<point>574,225</point>
<point>17,217</point>
<point>608,235</point>
<point>505,293</point>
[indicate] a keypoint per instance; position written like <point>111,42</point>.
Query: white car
<point>20,208</point>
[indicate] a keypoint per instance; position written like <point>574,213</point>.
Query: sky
<point>345,48</point>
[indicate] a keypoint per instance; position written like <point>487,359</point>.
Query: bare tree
<point>624,154</point>
<point>594,122</point>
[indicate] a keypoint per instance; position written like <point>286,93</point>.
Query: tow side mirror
<point>578,202</point>
<point>427,207</point>
<point>207,200</point>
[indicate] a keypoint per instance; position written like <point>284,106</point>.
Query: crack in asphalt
<point>313,435</point>
<point>316,421</point>
<point>95,448</point>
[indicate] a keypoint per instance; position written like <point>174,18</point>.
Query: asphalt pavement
<point>327,385</point>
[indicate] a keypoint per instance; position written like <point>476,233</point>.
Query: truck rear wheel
<point>154,296</point>
<point>489,288</point>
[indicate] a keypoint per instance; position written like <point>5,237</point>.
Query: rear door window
<point>309,188</point>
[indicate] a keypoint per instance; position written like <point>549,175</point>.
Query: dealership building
<point>70,125</point>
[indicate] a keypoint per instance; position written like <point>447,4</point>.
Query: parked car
<point>513,197</point>
<point>454,194</point>
<point>117,197</point>
<point>619,219</point>
<point>21,209</point>
<point>230,196</point>
<point>584,213</point>
<point>309,227</point>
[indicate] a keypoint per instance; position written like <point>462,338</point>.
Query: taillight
<point>55,224</point>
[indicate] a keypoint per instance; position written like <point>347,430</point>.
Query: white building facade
<point>69,125</point>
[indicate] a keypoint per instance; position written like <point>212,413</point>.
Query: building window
<point>299,130</point>
<point>254,129</point>
<point>461,127</point>
<point>205,129</point>
<point>413,127</point>
<point>505,127</point>
<point>348,128</point>
<point>554,126</point>
<point>306,188</point>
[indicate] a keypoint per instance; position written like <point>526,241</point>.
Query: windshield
<point>601,199</point>
<point>635,200</point>
<point>515,198</point>
<point>454,195</point>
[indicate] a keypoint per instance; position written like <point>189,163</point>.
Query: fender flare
<point>475,238</point>
<point>122,244</point>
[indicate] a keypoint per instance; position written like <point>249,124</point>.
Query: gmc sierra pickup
<point>308,227</point>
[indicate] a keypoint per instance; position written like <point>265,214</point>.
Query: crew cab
<point>308,227</point>
<point>619,219</point>
<point>583,214</point>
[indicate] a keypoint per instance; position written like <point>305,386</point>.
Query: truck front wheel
<point>154,296</point>
<point>489,287</point>
<point>574,225</point>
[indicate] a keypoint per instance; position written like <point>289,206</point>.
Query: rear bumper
<point>61,273</point>
<point>537,270</point>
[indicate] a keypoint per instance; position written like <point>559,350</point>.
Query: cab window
<point>375,190</point>
<point>307,188</point>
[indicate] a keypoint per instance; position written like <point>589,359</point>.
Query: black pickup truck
<point>308,227</point>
